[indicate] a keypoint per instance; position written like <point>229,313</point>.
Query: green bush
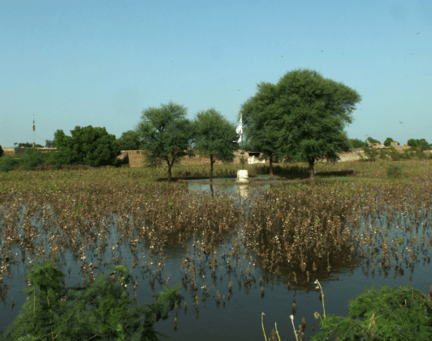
<point>394,171</point>
<point>383,154</point>
<point>32,158</point>
<point>419,143</point>
<point>388,141</point>
<point>371,153</point>
<point>8,163</point>
<point>400,313</point>
<point>356,143</point>
<point>372,140</point>
<point>97,311</point>
<point>87,146</point>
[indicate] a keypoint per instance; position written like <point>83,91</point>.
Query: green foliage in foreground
<point>388,314</point>
<point>401,313</point>
<point>96,311</point>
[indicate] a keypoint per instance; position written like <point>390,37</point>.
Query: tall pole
<point>241,120</point>
<point>33,132</point>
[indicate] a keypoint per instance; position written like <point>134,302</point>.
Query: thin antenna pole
<point>33,132</point>
<point>241,120</point>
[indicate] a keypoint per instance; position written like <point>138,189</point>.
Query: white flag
<point>239,129</point>
<point>240,139</point>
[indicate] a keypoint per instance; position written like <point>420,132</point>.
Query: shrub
<point>394,154</point>
<point>383,154</point>
<point>372,140</point>
<point>87,146</point>
<point>356,143</point>
<point>419,143</point>
<point>101,308</point>
<point>32,158</point>
<point>394,171</point>
<point>8,163</point>
<point>388,141</point>
<point>387,314</point>
<point>401,313</point>
<point>371,153</point>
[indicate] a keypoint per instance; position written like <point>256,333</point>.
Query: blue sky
<point>101,63</point>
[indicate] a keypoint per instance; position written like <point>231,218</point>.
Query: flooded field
<point>237,252</point>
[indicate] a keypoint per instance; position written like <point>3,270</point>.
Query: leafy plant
<point>372,140</point>
<point>87,146</point>
<point>32,158</point>
<point>419,143</point>
<point>394,171</point>
<point>401,313</point>
<point>394,154</point>
<point>96,311</point>
<point>356,143</point>
<point>383,153</point>
<point>388,141</point>
<point>387,314</point>
<point>8,163</point>
<point>371,153</point>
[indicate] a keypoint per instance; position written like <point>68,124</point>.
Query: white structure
<point>242,176</point>
<point>253,160</point>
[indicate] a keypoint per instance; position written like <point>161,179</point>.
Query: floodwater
<point>240,318</point>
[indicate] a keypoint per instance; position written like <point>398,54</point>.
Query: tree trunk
<point>211,168</point>
<point>271,165</point>
<point>169,169</point>
<point>311,168</point>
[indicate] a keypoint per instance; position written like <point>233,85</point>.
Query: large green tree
<point>87,146</point>
<point>312,112</point>
<point>261,120</point>
<point>165,133</point>
<point>214,136</point>
<point>129,140</point>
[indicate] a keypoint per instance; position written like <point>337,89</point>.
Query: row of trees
<point>302,117</point>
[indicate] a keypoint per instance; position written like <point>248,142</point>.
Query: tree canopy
<point>87,146</point>
<point>261,119</point>
<point>214,136</point>
<point>129,140</point>
<point>165,133</point>
<point>302,116</point>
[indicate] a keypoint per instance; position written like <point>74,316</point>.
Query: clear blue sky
<point>101,63</point>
